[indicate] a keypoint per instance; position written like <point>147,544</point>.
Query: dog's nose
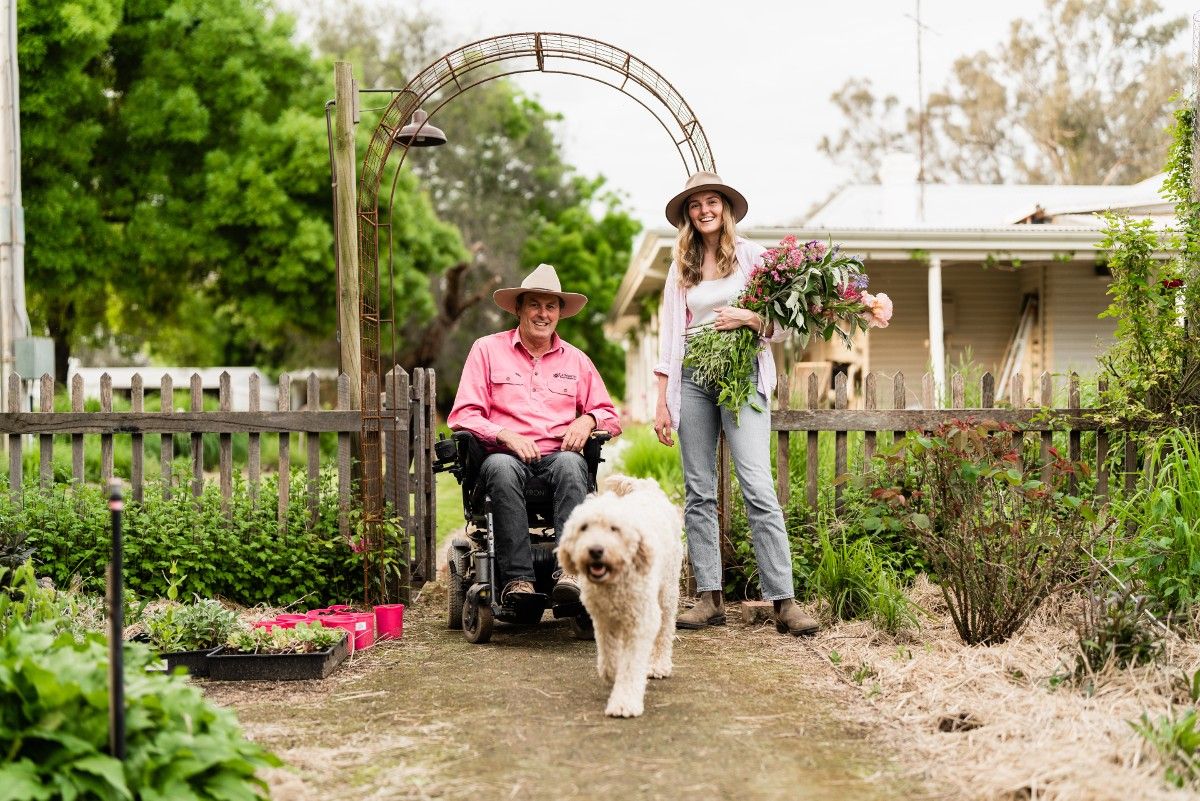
<point>596,553</point>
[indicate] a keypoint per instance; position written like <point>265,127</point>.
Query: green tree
<point>590,254</point>
<point>1080,95</point>
<point>184,206</point>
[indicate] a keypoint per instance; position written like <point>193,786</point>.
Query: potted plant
<point>307,651</point>
<point>185,635</point>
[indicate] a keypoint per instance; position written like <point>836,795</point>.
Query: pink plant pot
<point>389,621</point>
<point>287,624</point>
<point>364,629</point>
<point>322,612</point>
<point>292,618</point>
<point>338,609</point>
<point>346,622</point>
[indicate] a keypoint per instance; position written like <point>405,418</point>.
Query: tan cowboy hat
<point>543,279</point>
<point>705,181</point>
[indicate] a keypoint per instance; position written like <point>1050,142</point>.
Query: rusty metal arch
<point>457,72</point>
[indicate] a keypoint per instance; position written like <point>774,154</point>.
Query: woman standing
<point>712,264</point>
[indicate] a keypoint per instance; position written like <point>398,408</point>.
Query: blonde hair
<point>689,248</point>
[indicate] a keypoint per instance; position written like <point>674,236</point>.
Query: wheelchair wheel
<point>456,594</point>
<point>477,621</point>
<point>581,627</point>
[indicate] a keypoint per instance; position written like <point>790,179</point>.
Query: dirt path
<point>433,716</point>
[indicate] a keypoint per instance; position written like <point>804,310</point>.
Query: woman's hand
<point>731,317</point>
<point>662,425</point>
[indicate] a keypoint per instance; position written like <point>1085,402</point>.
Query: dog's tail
<point>618,484</point>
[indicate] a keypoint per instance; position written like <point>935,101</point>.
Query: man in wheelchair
<point>532,401</point>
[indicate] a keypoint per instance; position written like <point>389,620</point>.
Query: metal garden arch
<point>441,82</point>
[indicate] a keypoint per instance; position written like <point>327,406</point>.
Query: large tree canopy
<point>1080,95</point>
<point>176,178</point>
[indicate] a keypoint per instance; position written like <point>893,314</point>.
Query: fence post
<point>106,440</point>
<point>137,392</point>
<point>1102,450</point>
<point>197,439</point>
<point>254,446</point>
<point>166,405</point>
<point>312,440</point>
<point>46,441</point>
<point>344,467</point>
<point>783,472</point>
<point>870,404</point>
<point>839,442</point>
<point>396,451</point>
<point>283,403</point>
<point>225,447</point>
<point>14,440</point>
<point>1074,448</point>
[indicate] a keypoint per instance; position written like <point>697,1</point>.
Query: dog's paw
<point>623,708</point>
<point>660,671</point>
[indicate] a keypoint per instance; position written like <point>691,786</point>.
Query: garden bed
<point>227,665</point>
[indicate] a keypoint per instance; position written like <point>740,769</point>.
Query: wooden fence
<point>1034,413</point>
<point>409,412</point>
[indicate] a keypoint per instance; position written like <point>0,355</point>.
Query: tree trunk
<point>426,345</point>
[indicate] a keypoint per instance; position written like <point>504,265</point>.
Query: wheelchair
<point>474,598</point>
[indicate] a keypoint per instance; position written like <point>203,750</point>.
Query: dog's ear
<point>641,555</point>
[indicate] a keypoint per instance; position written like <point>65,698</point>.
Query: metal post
<point>14,321</point>
<point>116,642</point>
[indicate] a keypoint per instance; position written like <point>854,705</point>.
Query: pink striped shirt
<point>503,386</point>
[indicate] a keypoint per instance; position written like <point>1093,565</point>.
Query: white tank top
<point>706,296</point>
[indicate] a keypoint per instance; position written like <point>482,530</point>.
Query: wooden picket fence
<point>408,411</point>
<point>1037,417</point>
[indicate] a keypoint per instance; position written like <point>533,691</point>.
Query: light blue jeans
<point>700,422</point>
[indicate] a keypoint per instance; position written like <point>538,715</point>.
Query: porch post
<point>937,344</point>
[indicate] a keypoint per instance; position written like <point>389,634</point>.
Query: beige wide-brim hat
<point>543,279</point>
<point>701,182</point>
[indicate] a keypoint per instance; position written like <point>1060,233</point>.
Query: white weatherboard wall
<point>1075,295</point>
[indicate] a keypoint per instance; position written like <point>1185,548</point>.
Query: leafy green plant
<point>643,456</point>
<point>856,583</point>
<point>305,638</point>
<point>1176,738</point>
<point>1154,362</point>
<point>1165,512</point>
<point>191,627</point>
<point>1114,630</point>
<point>54,730</point>
<point>998,538</point>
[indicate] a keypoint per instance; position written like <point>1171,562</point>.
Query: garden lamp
<point>419,133</point>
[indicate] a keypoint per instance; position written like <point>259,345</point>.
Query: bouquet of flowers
<point>810,288</point>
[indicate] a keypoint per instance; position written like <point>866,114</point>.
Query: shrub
<point>644,456</point>
<point>244,558</point>
<point>1177,739</point>
<point>998,539</point>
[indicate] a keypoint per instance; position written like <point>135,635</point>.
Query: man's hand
<point>522,447</point>
<point>576,435</point>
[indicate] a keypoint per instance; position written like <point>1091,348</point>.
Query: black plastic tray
<point>195,662</point>
<point>223,666</point>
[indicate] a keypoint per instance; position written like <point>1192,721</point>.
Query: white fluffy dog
<point>625,546</point>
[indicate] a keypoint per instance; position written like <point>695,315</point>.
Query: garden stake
<point>116,611</point>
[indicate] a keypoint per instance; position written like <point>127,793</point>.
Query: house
<point>1008,276</point>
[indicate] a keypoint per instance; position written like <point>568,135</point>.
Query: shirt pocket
<point>563,388</point>
<point>508,385</point>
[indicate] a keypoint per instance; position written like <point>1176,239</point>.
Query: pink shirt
<point>504,387</point>
<point>674,317</point>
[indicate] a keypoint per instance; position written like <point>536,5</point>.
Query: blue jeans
<point>700,422</point>
<point>505,477</point>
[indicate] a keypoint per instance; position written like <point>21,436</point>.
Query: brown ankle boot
<point>790,619</point>
<point>706,612</point>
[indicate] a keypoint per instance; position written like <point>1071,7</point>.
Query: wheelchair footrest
<point>568,610</point>
<point>526,601</point>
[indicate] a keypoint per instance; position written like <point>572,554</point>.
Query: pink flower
<point>879,309</point>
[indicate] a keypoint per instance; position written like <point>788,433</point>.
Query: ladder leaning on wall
<point>1014,353</point>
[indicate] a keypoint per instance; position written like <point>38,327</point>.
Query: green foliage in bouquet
<point>811,289</point>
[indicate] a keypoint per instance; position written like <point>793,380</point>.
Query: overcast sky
<point>757,74</point>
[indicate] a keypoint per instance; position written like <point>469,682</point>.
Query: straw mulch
<point>993,722</point>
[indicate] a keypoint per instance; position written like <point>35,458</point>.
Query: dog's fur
<point>625,547</point>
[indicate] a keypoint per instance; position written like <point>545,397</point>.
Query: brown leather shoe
<point>516,587</point>
<point>706,612</point>
<point>566,589</point>
<point>790,619</point>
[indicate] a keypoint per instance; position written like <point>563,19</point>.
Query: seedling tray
<point>195,662</point>
<point>234,666</point>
